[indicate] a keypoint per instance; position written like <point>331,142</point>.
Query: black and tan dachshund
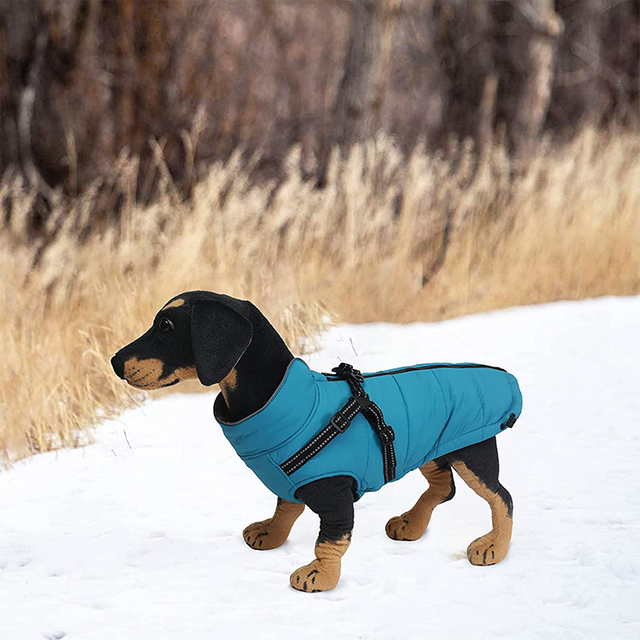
<point>225,341</point>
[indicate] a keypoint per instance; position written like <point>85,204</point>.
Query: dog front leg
<point>332,499</point>
<point>273,532</point>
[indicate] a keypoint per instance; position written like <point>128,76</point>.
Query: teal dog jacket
<point>433,409</point>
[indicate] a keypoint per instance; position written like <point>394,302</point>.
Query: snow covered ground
<point>139,535</point>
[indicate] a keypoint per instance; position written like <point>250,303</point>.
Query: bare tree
<point>356,113</point>
<point>181,83</point>
<point>542,27</point>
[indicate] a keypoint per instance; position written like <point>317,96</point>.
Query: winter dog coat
<point>433,409</point>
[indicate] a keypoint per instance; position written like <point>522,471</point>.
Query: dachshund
<point>222,340</point>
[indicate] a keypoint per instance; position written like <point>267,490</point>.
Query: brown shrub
<point>425,238</point>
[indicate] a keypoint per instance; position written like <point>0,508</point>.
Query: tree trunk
<point>361,91</point>
<point>543,26</point>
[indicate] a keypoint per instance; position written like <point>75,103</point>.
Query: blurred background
<point>360,160</point>
<point>85,83</point>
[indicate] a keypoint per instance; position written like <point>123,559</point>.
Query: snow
<point>139,535</point>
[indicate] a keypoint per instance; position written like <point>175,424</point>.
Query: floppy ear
<point>219,337</point>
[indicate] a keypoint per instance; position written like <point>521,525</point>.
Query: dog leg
<point>332,499</point>
<point>412,524</point>
<point>272,533</point>
<point>478,466</point>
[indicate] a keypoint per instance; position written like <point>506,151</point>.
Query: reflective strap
<point>376,419</point>
<point>340,422</point>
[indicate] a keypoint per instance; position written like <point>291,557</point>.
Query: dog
<point>272,408</point>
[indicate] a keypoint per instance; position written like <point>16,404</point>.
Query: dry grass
<point>368,247</point>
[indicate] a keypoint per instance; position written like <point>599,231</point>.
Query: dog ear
<point>219,337</point>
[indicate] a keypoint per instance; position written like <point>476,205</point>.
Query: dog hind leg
<point>478,466</point>
<point>273,532</point>
<point>412,524</point>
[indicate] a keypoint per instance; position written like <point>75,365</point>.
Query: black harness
<point>359,402</point>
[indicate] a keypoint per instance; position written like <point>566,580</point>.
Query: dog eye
<point>165,325</point>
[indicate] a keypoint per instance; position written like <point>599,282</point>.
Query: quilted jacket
<point>433,409</point>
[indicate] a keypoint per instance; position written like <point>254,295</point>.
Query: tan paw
<point>260,536</point>
<point>317,576</point>
<point>486,551</point>
<point>404,528</point>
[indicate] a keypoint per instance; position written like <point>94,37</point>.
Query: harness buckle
<point>340,422</point>
<point>346,371</point>
<point>364,401</point>
<point>387,435</point>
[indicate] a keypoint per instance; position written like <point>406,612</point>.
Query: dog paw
<point>259,536</point>
<point>486,551</point>
<point>404,528</point>
<point>315,577</point>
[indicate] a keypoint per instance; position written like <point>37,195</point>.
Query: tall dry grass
<point>389,238</point>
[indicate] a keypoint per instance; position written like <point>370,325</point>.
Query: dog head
<point>196,334</point>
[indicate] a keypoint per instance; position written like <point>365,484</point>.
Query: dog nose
<point>118,366</point>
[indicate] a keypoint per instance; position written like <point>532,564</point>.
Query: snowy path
<point>143,541</point>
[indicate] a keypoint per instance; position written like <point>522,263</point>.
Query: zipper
<point>333,378</point>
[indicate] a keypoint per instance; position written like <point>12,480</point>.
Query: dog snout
<point>118,366</point>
